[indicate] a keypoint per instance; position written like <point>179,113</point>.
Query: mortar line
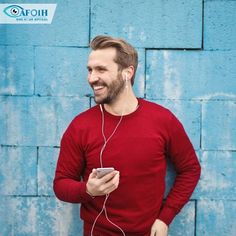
<point>202,46</point>
<point>37,172</point>
<point>145,73</point>
<point>89,33</point>
<point>201,117</point>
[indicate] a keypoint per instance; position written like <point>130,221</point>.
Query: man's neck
<point>124,105</point>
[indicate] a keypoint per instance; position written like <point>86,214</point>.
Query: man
<point>133,136</point>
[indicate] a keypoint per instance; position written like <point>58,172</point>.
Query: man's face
<point>103,75</point>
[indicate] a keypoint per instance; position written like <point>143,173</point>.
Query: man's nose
<point>93,77</point>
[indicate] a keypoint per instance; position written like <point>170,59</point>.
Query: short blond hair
<point>126,55</point>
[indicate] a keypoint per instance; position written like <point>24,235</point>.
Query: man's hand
<point>102,186</point>
<point>159,228</point>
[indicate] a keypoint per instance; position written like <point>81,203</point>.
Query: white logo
<point>15,13</point>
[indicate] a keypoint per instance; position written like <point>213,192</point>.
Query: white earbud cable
<point>101,163</point>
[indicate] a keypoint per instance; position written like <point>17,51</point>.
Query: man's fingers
<point>101,186</point>
<point>108,177</point>
<point>153,233</point>
<point>93,174</point>
<point>111,185</point>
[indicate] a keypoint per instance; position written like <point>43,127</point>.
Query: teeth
<point>98,87</point>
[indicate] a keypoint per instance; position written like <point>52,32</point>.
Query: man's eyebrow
<point>101,67</point>
<point>97,67</point>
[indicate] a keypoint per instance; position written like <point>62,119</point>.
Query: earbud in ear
<point>126,80</point>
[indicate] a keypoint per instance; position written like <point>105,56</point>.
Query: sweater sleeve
<point>185,161</point>
<point>67,184</point>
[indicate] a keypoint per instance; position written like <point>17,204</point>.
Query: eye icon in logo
<point>13,11</point>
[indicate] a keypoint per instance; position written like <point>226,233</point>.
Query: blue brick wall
<point>187,57</point>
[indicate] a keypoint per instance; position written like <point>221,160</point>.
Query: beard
<point>114,89</point>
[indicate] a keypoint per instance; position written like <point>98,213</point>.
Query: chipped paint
<point>129,30</point>
<point>43,86</point>
<point>172,84</point>
<point>218,95</point>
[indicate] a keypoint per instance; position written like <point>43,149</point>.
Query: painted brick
<point>63,71</point>
<point>219,25</point>
<point>6,223</point>
<point>2,64</point>
<point>183,223</point>
<point>216,218</point>
<point>190,74</point>
<point>218,175</point>
<point>70,27</point>
<point>39,216</point>
<point>37,121</point>
<point>159,24</point>
<point>18,171</point>
<point>2,34</point>
<point>46,169</point>
<point>189,114</point>
<point>64,218</point>
<point>16,70</point>
<point>218,125</point>
<point>139,82</point>
<point>183,81</point>
<point>28,120</point>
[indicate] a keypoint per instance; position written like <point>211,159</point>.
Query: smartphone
<point>103,171</point>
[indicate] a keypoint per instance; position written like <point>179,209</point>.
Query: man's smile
<point>96,87</point>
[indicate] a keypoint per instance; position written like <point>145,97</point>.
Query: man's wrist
<point>167,215</point>
<point>90,194</point>
<point>162,222</point>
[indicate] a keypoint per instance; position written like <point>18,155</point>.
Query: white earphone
<point>106,140</point>
<point>126,80</point>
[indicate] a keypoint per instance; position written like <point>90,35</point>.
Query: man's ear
<point>127,73</point>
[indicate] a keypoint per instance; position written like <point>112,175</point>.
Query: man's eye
<point>101,70</point>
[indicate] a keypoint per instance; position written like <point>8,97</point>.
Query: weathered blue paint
<point>216,217</point>
<point>37,121</point>
<point>17,70</point>
<point>218,175</point>
<point>159,24</point>
<point>219,25</point>
<point>70,27</point>
<point>188,74</point>
<point>187,61</point>
<point>63,72</point>
<point>18,171</point>
<point>47,158</point>
<point>219,125</point>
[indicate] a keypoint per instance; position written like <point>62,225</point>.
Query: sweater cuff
<point>85,197</point>
<point>167,215</point>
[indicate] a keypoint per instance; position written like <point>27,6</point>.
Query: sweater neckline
<point>136,111</point>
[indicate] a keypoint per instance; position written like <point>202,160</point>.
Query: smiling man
<point>134,137</point>
<point>101,65</point>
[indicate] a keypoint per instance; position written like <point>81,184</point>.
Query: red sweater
<point>138,149</point>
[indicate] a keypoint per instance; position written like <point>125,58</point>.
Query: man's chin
<point>98,100</point>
